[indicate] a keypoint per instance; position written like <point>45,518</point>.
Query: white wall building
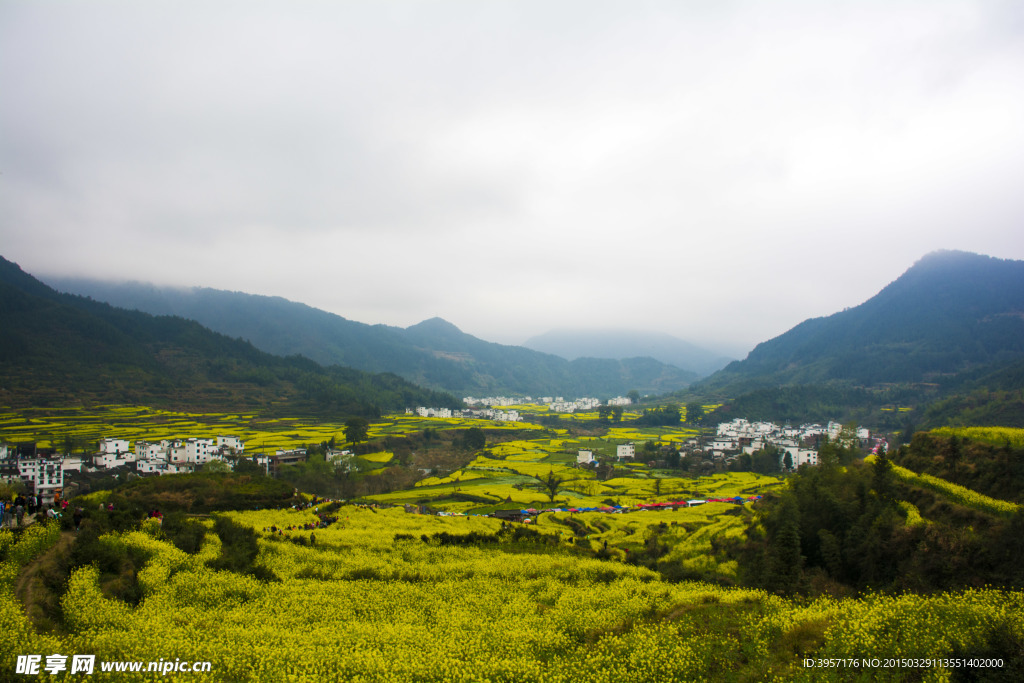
<point>43,476</point>
<point>160,467</point>
<point>232,442</point>
<point>625,450</point>
<point>145,450</point>
<point>584,457</point>
<point>72,463</point>
<point>115,446</point>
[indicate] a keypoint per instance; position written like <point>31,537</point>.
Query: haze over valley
<point>515,341</point>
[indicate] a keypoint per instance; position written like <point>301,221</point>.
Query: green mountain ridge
<point>433,353</point>
<point>62,349</point>
<point>951,313</point>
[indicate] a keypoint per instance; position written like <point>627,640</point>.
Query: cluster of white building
<point>480,413</point>
<point>168,456</point>
<point>432,412</point>
<point>501,401</point>
<point>559,405</point>
<point>42,471</point>
<point>742,436</point>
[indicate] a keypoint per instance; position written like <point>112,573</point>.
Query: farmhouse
<point>43,476</point>
<point>282,458</point>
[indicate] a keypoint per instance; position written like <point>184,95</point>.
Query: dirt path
<point>29,587</point>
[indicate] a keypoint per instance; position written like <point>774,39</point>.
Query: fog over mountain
<point>717,171</point>
<point>619,343</point>
<point>953,312</point>
<point>433,353</point>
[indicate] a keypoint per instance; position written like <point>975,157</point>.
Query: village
<point>44,472</point>
<point>796,446</point>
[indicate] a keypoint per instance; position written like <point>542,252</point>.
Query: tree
<point>249,466</point>
<point>766,460</point>
<point>551,483</point>
<point>672,459</point>
<point>356,429</point>
<point>474,438</point>
<point>784,560</point>
<point>694,413</point>
<point>633,396</point>
<point>216,466</point>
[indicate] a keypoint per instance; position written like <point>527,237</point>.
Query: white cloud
<point>719,171</point>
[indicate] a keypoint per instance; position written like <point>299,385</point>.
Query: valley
<point>330,523</point>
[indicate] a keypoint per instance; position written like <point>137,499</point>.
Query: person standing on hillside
<point>19,509</point>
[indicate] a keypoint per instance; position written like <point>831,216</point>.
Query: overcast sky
<point>716,170</point>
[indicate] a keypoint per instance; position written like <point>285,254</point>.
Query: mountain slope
<point>619,344</point>
<point>951,313</point>
<point>60,349</point>
<point>433,353</point>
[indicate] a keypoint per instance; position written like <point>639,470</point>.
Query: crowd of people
<point>20,510</point>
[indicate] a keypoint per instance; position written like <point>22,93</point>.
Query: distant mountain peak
<point>623,343</point>
<point>434,324</point>
<point>951,312</point>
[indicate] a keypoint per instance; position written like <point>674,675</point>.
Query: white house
<point>334,454</point>
<point>115,446</point>
<point>625,450</point>
<point>805,456</point>
<point>46,476</point>
<point>144,450</point>
<point>799,456</point>
<point>200,451</point>
<point>232,442</point>
<point>71,463</point>
<point>584,457</point>
<point>723,444</point>
<point>159,467</point>
<point>108,460</point>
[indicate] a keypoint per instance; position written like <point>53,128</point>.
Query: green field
<point>50,427</point>
<point>373,601</point>
<point>387,595</point>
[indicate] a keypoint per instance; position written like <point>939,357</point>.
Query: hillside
<point>573,344</point>
<point>60,349</point>
<point>845,556</point>
<point>433,353</point>
<point>951,316</point>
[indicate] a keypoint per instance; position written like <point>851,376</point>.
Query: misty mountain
<point>573,344</point>
<point>61,350</point>
<point>433,353</point>
<point>951,315</point>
